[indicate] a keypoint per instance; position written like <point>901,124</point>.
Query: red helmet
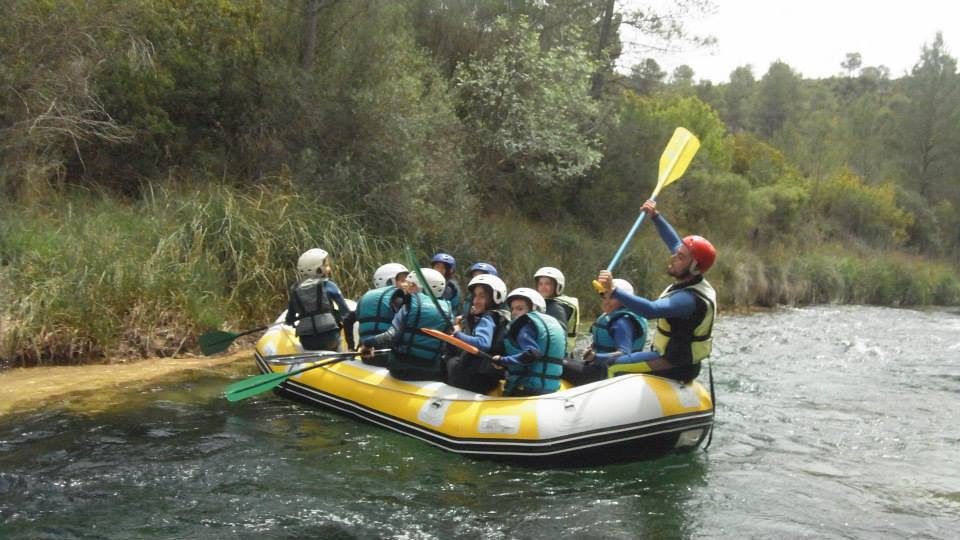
<point>702,251</point>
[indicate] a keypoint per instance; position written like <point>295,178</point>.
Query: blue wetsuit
<point>482,337</point>
<point>623,334</point>
<point>681,305</point>
<point>527,343</point>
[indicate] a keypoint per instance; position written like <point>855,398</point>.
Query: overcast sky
<point>812,36</point>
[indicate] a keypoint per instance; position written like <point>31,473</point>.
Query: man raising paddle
<point>685,311</point>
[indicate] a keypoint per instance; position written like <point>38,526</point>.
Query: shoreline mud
<point>23,389</point>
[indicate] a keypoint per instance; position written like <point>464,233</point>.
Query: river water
<point>832,422</point>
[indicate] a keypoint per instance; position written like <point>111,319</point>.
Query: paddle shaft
<point>412,260</point>
<point>626,241</point>
<point>267,381</point>
<point>456,342</point>
<point>288,359</point>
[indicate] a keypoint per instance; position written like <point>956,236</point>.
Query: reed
<point>104,275</point>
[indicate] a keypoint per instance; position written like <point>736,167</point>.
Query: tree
<point>646,77</point>
<point>737,96</point>
<point>531,115</point>
<point>683,76</point>
<point>852,63</point>
<point>927,122</point>
<point>51,109</point>
<point>777,96</point>
<point>662,26</point>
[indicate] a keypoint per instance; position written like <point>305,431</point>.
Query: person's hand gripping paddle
<point>673,163</point>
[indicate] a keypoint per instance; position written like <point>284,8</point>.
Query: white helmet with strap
<point>387,274</point>
<point>310,264</point>
<point>497,286</point>
<point>536,300</point>
<point>435,280</point>
<point>551,272</point>
<point>622,285</point>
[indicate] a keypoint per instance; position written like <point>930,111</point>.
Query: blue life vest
<point>375,311</point>
<point>542,375</point>
<point>416,353</point>
<point>451,293</point>
<point>602,338</point>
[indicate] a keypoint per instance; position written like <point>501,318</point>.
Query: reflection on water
<point>832,422</point>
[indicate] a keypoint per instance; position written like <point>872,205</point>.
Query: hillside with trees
<point>163,163</point>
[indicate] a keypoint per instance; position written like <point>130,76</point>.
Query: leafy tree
<point>852,63</point>
<point>926,135</point>
<point>812,139</point>
<point>866,126</point>
<point>737,96</point>
<point>646,77</point>
<point>634,144</point>
<point>778,95</point>
<point>371,126</point>
<point>761,163</point>
<point>682,79</point>
<point>854,210</point>
<point>50,112</point>
<point>531,115</point>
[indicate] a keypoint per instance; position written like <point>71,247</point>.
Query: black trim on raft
<point>629,442</point>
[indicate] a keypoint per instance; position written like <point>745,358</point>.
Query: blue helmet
<point>486,268</point>
<point>445,258</point>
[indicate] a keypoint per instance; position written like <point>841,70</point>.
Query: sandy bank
<point>31,388</point>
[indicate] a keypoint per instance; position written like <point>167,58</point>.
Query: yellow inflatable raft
<point>626,418</point>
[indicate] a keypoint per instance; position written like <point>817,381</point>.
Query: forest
<point>164,162</point>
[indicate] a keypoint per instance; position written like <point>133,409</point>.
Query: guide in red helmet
<point>685,311</point>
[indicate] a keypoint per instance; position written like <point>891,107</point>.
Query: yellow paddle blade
<point>676,157</point>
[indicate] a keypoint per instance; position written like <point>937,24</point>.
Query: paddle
<point>456,342</point>
<point>216,341</point>
<point>674,161</point>
<point>259,384</point>
<point>412,261</point>
<point>300,358</point>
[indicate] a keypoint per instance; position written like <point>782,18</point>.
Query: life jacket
<point>416,353</point>
<point>688,341</point>
<point>467,304</point>
<point>314,308</point>
<point>375,311</point>
<point>451,293</point>
<point>573,321</point>
<point>543,374</point>
<point>602,338</point>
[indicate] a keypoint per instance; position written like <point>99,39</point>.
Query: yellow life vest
<point>701,340</point>
<point>573,323</point>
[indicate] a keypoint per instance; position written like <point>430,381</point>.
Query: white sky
<point>812,36</point>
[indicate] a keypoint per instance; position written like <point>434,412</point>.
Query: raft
<point>622,419</point>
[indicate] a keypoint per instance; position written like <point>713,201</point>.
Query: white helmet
<point>551,272</point>
<point>496,285</point>
<point>435,280</point>
<point>622,285</point>
<point>387,274</point>
<point>311,262</point>
<point>533,296</point>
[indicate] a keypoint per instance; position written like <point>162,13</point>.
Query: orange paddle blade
<point>458,343</point>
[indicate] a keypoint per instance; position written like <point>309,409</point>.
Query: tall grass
<point>91,275</point>
<point>831,274</point>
